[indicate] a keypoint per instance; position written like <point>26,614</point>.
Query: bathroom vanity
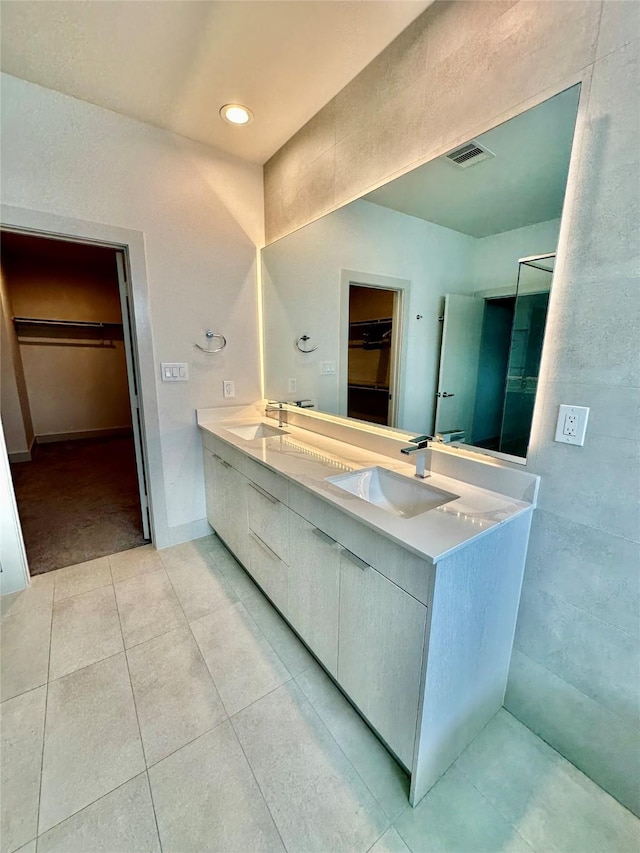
<point>406,591</point>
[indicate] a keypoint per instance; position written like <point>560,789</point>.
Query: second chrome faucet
<point>421,443</point>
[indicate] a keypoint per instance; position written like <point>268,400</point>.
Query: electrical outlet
<point>228,388</point>
<point>572,424</point>
<point>292,386</point>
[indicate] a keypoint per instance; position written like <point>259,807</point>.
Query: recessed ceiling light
<point>236,114</point>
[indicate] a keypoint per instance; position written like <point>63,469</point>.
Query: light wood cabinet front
<point>381,645</point>
<point>314,589</point>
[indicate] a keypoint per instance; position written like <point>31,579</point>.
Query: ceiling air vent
<point>469,154</point>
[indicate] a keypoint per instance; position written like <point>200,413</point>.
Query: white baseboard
<point>111,432</point>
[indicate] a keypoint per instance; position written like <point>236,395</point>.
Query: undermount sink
<point>259,430</point>
<point>392,492</point>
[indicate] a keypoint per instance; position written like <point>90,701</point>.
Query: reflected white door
<point>459,357</point>
<point>134,396</point>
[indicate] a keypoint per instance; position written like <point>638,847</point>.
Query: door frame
<point>401,287</point>
<point>131,243</point>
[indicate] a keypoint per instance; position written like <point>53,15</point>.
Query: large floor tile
<point>39,593</point>
<point>92,742</point>
<point>206,799</point>
<point>384,777</point>
<point>199,587</point>
<point>121,822</point>
<point>243,664</point>
<point>85,629</point>
<point>28,848</point>
<point>83,577</point>
<point>317,799</point>
<point>24,663</point>
<point>390,843</point>
<point>291,651</point>
<point>176,698</point>
<point>22,728</point>
<point>551,804</point>
<point>148,607</point>
<point>455,818</point>
<point>137,561</point>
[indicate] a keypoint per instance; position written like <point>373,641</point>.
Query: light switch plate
<point>174,371</point>
<point>327,368</point>
<point>572,424</point>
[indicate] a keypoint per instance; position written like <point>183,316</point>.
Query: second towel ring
<point>210,337</point>
<point>304,339</point>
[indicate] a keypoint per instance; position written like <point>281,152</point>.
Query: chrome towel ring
<point>304,339</point>
<point>210,337</point>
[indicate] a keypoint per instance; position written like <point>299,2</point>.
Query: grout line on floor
<point>250,766</point>
<point>93,802</point>
<point>44,728</point>
<point>188,743</point>
<point>135,708</point>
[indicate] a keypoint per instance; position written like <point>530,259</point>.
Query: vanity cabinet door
<point>236,523</point>
<point>314,589</point>
<point>214,484</point>
<point>381,646</point>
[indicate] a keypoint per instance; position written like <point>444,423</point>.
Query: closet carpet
<point>78,500</point>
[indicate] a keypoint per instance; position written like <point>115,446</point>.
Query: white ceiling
<point>174,64</point>
<point>522,185</point>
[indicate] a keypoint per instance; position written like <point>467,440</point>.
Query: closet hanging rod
<point>40,321</point>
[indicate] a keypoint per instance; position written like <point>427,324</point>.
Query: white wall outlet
<point>572,424</point>
<point>228,388</point>
<point>292,386</point>
<point>174,371</point>
<point>327,368</point>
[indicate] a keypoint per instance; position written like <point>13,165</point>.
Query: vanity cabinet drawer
<point>268,571</point>
<point>269,519</point>
<point>380,652</point>
<point>268,480</point>
<point>314,589</point>
<point>413,574</point>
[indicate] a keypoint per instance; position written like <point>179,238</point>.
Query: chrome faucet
<point>420,449</point>
<point>276,406</point>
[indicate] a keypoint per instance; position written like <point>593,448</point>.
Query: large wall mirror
<point>422,305</point>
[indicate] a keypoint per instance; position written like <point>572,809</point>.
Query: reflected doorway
<point>372,353</point>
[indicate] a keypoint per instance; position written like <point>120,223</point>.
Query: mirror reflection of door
<point>461,333</point>
<point>371,370</point>
<point>490,361</point>
<point>525,353</point>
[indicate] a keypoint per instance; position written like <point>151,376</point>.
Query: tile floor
<point>156,701</point>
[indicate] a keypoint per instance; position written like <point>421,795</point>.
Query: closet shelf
<point>78,324</point>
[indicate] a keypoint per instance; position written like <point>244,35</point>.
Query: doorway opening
<point>69,402</point>
<point>372,354</point>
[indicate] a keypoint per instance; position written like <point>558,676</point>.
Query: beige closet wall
<point>76,379</point>
<point>461,68</point>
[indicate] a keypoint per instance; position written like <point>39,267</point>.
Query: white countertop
<point>307,458</point>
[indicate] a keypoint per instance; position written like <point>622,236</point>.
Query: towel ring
<point>304,339</point>
<point>210,336</point>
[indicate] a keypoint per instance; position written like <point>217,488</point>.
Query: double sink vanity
<point>405,590</point>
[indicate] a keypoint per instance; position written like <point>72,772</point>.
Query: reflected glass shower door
<point>527,336</point>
